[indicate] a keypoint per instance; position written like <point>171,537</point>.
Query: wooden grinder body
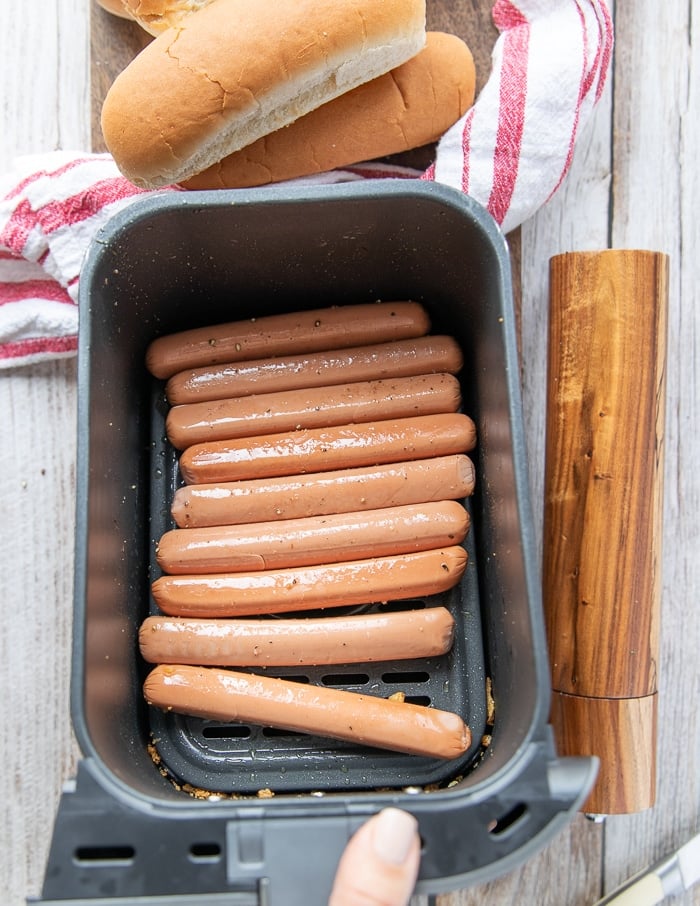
<point>602,514</point>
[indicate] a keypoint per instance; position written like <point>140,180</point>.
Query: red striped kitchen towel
<point>510,152</point>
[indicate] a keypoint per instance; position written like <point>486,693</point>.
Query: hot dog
<point>314,540</point>
<point>292,333</point>
<point>280,643</point>
<point>327,449</point>
<point>226,695</point>
<point>321,493</point>
<point>366,581</point>
<point>317,407</point>
<point>400,358</point>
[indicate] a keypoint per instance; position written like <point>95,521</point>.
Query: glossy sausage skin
<point>362,638</point>
<point>327,449</point>
<point>227,695</point>
<point>316,407</point>
<point>321,493</point>
<point>344,584</point>
<point>286,334</point>
<point>393,359</point>
<point>313,540</point>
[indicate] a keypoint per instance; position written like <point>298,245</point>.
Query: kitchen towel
<point>510,152</point>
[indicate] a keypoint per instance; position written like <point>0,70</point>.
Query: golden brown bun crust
<point>234,71</point>
<point>116,7</point>
<point>157,15</point>
<point>409,107</point>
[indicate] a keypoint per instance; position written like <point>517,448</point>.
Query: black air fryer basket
<point>172,809</point>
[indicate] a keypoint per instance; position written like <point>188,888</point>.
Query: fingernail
<point>394,833</point>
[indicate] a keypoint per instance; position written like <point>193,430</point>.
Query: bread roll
<point>235,71</point>
<point>156,15</point>
<point>413,105</point>
<point>116,7</point>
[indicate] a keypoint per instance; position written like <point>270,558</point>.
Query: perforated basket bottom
<point>243,759</point>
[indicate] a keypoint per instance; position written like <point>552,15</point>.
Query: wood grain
<point>654,201</point>
<point>622,733</point>
<point>632,185</point>
<point>603,499</point>
<point>44,46</point>
<point>44,49</point>
<point>37,748</point>
<point>604,470</point>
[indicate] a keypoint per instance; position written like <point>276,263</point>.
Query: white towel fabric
<point>510,152</point>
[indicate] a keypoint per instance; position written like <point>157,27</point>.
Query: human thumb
<point>380,863</point>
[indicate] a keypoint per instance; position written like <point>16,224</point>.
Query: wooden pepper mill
<point>602,514</point>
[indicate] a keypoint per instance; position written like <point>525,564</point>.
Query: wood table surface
<point>634,183</point>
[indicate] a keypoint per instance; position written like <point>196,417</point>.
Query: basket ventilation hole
<point>418,700</point>
<point>95,855</point>
<point>395,606</point>
<point>407,676</point>
<point>226,732</point>
<point>508,820</point>
<point>205,852</point>
<point>280,731</point>
<point>345,679</point>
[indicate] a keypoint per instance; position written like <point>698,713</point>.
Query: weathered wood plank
<point>44,54</point>
<point>37,751</point>
<point>655,193</point>
<point>45,60</point>
<point>563,873</point>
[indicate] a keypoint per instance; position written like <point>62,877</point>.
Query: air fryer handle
<point>104,841</point>
<point>266,852</point>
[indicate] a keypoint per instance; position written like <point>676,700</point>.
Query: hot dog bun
<point>235,71</point>
<point>156,15</point>
<point>411,106</point>
<point>116,7</point>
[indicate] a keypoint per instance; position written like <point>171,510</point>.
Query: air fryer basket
<point>126,828</point>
